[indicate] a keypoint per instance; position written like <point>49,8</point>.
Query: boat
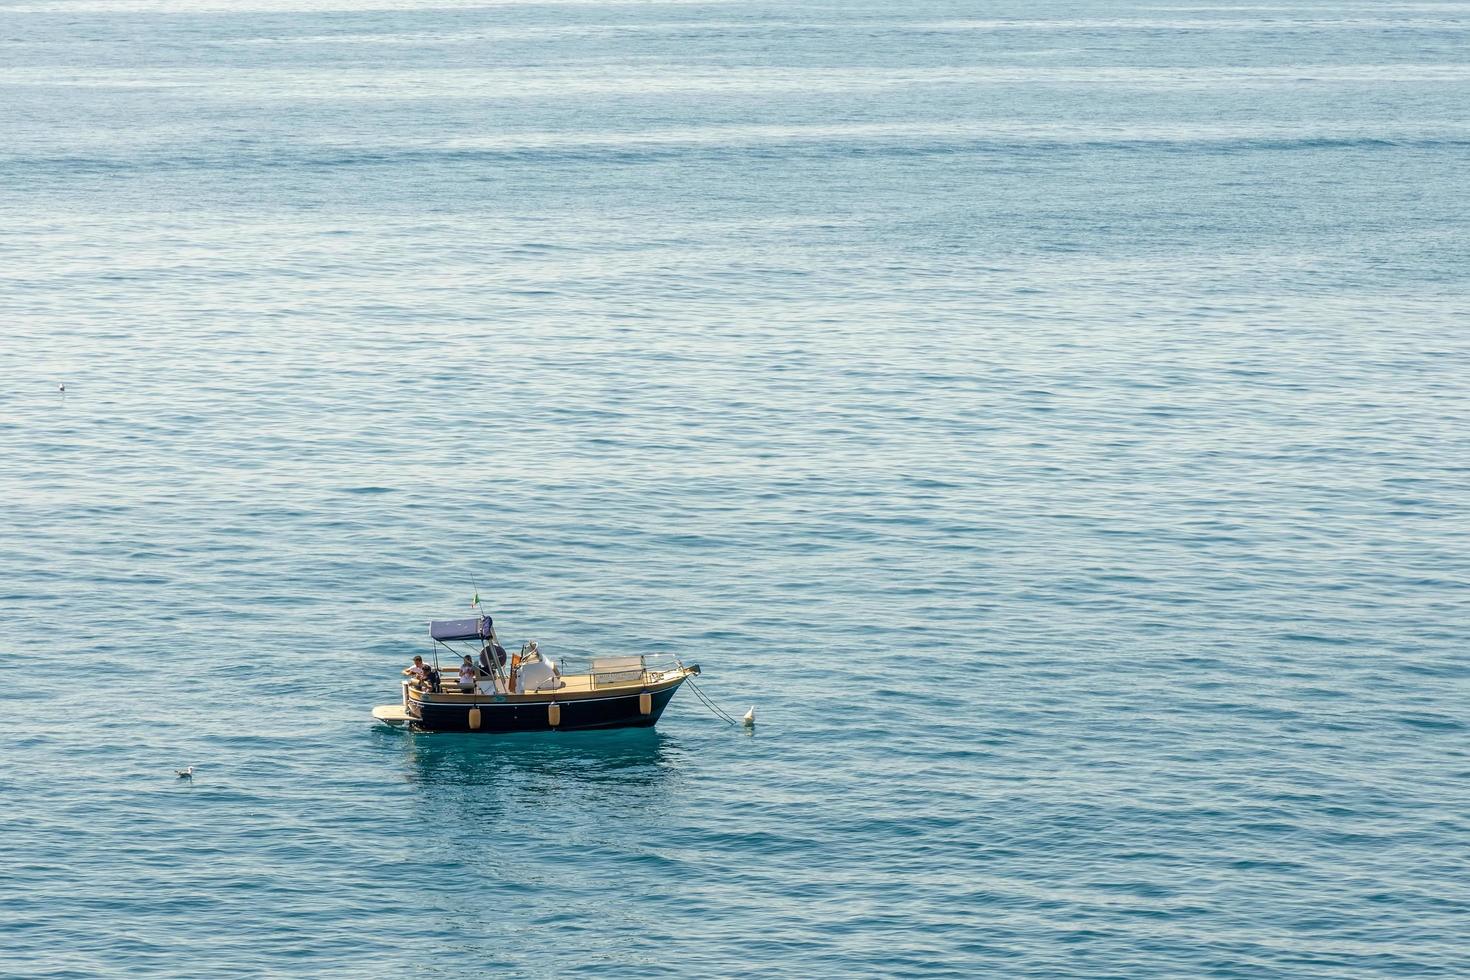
<point>529,692</point>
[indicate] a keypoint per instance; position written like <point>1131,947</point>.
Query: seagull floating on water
<point>61,388</point>
<point>749,718</point>
<point>185,773</point>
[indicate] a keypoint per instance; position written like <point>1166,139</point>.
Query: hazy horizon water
<point>1053,418</point>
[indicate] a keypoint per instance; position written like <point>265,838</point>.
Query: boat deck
<point>573,685</point>
<point>392,714</point>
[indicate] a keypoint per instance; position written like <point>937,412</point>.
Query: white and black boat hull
<point>501,713</point>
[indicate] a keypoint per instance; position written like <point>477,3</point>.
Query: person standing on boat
<point>416,670</point>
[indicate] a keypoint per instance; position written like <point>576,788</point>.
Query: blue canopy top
<point>460,629</point>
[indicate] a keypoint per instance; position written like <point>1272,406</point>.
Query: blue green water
<point>1052,416</point>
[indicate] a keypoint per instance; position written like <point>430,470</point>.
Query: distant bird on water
<point>749,719</point>
<point>61,388</point>
<point>185,773</point>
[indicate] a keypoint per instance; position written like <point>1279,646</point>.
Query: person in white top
<point>416,670</point>
<point>467,675</point>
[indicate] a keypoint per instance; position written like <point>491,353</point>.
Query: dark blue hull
<point>515,715</point>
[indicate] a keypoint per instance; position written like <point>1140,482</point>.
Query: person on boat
<point>431,679</point>
<point>416,670</point>
<point>467,675</point>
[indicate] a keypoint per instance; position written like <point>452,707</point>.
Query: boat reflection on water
<point>558,765</point>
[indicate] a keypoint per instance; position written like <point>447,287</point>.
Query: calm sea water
<point>1052,416</point>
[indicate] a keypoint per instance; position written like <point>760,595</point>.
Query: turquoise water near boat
<point>1052,416</point>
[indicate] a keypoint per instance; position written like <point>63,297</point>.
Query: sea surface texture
<point>1052,416</point>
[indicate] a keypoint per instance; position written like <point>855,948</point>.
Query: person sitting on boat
<point>416,670</point>
<point>467,675</point>
<point>431,679</point>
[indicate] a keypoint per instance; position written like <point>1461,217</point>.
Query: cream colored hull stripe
<point>450,697</point>
<point>485,702</point>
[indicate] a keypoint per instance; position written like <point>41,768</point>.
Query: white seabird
<point>185,773</point>
<point>749,719</point>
